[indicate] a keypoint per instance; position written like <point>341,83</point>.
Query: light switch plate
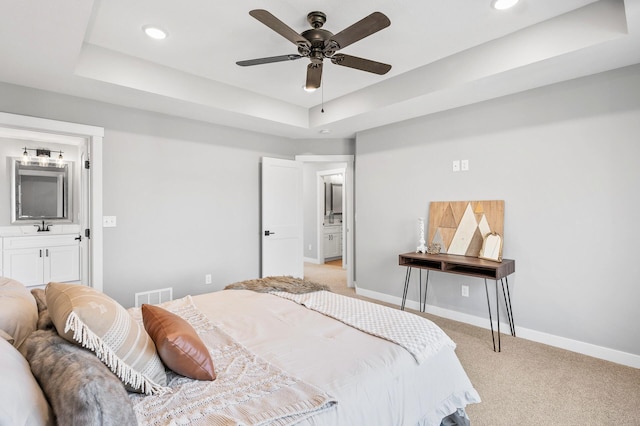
<point>465,291</point>
<point>108,221</point>
<point>456,165</point>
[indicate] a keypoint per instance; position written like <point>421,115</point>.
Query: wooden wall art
<point>461,226</point>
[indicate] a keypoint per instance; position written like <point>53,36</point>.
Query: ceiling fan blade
<point>360,64</point>
<point>278,26</point>
<point>314,76</point>
<point>268,60</point>
<point>361,29</point>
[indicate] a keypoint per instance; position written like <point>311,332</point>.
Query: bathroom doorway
<point>315,167</point>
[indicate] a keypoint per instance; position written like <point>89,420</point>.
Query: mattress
<point>376,382</point>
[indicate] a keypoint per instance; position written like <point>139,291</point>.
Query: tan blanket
<point>247,391</point>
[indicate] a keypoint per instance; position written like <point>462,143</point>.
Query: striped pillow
<point>95,321</point>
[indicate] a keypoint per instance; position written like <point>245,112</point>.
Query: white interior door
<point>282,216</point>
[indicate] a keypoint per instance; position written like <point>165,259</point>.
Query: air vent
<point>154,297</point>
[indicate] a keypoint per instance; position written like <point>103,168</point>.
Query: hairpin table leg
<point>407,278</point>
<point>507,302</point>
<point>498,316</point>
<point>486,289</point>
<point>426,287</point>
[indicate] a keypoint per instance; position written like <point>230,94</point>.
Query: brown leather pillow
<point>179,346</point>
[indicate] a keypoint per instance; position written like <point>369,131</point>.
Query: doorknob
<point>267,233</point>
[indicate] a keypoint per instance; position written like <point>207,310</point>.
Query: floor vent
<point>154,297</point>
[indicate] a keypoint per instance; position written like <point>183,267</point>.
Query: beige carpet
<point>529,383</point>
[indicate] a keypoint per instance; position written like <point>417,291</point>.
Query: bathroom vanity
<point>332,242</point>
<point>38,258</point>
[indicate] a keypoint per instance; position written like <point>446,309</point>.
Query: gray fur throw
<point>80,388</point>
<point>44,319</point>
<point>286,284</point>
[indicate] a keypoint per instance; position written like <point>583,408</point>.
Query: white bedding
<point>376,382</point>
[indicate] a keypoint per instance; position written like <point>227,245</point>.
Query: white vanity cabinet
<point>37,260</point>
<point>332,242</point>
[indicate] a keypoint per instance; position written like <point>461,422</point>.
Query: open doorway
<point>83,144</point>
<point>328,219</point>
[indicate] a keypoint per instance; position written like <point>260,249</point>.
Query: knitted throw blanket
<point>247,390</point>
<point>421,337</point>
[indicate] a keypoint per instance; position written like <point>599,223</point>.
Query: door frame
<point>321,210</point>
<point>91,137</point>
<point>348,217</point>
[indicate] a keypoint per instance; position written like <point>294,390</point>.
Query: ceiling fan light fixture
<point>154,32</point>
<point>309,89</point>
<point>504,4</point>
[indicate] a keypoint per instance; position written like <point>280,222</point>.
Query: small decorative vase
<point>421,242</point>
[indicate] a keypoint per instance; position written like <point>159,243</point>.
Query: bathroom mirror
<point>336,198</point>
<point>333,198</point>
<point>40,191</point>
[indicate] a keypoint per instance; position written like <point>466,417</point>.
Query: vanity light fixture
<point>154,32</point>
<point>504,4</point>
<point>43,155</point>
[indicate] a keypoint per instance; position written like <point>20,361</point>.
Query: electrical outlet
<point>465,291</point>
<point>309,247</point>
<point>464,165</point>
<point>207,279</point>
<point>456,165</point>
<point>108,221</point>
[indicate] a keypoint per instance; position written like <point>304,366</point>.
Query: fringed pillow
<point>95,321</point>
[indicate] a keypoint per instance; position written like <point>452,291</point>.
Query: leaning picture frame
<point>491,247</point>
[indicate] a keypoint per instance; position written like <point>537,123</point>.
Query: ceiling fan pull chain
<point>322,88</point>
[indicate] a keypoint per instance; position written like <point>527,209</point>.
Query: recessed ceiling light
<point>325,131</point>
<point>154,32</point>
<point>504,4</point>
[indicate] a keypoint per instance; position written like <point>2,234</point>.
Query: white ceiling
<point>444,54</point>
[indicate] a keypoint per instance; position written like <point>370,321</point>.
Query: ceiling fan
<point>318,44</point>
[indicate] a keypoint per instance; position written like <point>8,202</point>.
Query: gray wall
<point>565,160</point>
<point>186,194</point>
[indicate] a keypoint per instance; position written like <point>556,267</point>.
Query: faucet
<point>43,228</point>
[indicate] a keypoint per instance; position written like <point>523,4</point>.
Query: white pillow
<point>22,402</point>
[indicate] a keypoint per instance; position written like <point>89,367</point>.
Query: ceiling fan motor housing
<point>316,19</point>
<point>317,38</point>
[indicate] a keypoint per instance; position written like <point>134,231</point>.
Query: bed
<point>302,367</point>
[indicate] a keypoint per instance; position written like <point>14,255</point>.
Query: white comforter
<point>376,382</point>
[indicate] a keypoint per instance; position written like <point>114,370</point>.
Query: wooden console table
<point>463,265</point>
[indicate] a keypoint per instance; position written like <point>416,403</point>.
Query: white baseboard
<point>312,260</point>
<point>584,348</point>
